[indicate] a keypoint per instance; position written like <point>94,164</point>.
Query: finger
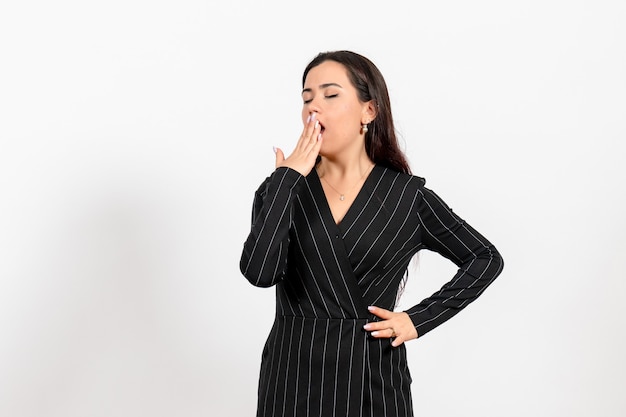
<point>318,144</point>
<point>312,131</point>
<point>397,342</point>
<point>310,148</point>
<point>308,131</point>
<point>280,156</point>
<point>384,333</point>
<point>375,328</point>
<point>317,129</point>
<point>314,141</point>
<point>389,334</point>
<point>380,327</point>
<point>380,312</point>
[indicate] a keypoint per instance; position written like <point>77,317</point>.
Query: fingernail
<point>370,308</point>
<point>317,123</point>
<point>313,115</point>
<point>319,136</point>
<point>375,334</point>
<point>308,119</point>
<point>274,148</point>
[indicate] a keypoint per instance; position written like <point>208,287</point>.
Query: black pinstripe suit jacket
<point>318,360</point>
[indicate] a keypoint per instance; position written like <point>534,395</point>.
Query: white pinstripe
<point>308,395</point>
<point>295,404</point>
<point>288,368</point>
<point>323,370</point>
<point>337,371</point>
<point>314,281</point>
<point>280,355</point>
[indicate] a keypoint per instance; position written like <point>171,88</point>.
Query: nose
<point>313,106</point>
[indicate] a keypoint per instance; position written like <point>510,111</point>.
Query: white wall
<point>134,133</point>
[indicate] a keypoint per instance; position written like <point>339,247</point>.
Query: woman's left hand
<point>394,325</point>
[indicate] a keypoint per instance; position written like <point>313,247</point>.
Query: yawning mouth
<point>322,128</point>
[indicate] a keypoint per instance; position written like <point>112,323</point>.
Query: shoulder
<point>400,179</point>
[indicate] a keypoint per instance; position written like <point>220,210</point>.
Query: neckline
<point>362,195</point>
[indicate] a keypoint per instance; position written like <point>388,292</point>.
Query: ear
<point>369,113</point>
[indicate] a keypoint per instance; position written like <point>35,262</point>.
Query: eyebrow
<point>322,86</point>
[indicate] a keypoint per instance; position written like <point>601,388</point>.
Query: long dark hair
<point>381,143</point>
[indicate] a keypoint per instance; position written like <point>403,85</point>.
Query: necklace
<point>342,196</point>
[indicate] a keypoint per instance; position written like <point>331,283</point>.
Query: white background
<point>134,133</point>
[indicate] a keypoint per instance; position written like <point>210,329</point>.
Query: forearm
<point>471,279</point>
<point>264,254</point>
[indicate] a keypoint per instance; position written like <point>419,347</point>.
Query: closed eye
<point>328,96</point>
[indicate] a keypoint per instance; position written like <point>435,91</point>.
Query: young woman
<point>334,228</point>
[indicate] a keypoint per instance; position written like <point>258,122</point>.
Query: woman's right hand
<point>303,157</point>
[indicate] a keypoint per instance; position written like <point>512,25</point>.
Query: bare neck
<point>342,169</point>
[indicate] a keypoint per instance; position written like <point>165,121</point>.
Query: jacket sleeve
<point>478,260</point>
<point>264,257</point>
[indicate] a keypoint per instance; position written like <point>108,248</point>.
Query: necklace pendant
<point>342,197</point>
